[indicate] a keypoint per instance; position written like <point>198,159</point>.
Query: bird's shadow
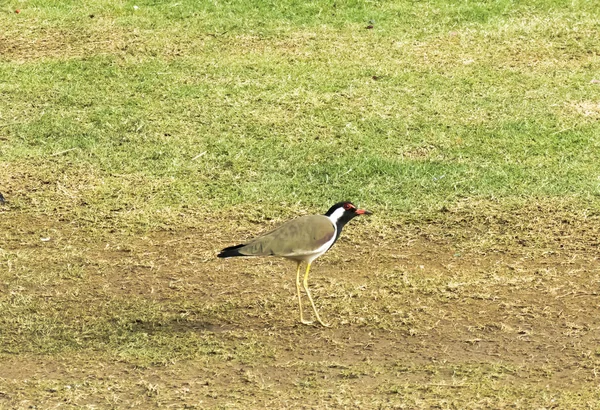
<point>209,326</point>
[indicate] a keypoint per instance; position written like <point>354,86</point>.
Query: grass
<point>142,139</point>
<point>482,102</point>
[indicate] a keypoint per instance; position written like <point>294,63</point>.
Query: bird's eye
<point>348,207</point>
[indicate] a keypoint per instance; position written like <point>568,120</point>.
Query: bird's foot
<point>325,324</point>
<point>306,322</point>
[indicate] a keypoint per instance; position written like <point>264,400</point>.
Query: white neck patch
<point>336,215</point>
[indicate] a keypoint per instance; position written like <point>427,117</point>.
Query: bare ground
<point>474,307</point>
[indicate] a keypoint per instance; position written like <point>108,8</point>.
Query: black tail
<point>231,251</point>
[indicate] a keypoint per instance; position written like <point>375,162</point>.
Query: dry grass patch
<point>589,109</point>
<point>30,43</point>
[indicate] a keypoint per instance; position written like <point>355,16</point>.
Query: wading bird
<point>302,239</point>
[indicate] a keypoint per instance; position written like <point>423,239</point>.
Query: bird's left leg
<point>306,322</point>
<point>310,297</point>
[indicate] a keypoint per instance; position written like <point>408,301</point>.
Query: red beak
<point>363,212</point>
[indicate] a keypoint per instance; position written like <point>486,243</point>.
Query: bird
<point>303,239</point>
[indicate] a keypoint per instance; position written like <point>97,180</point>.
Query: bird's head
<point>344,211</point>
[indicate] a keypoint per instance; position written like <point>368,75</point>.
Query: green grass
<point>119,122</point>
<point>473,99</point>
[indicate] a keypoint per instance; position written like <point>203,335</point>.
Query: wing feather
<point>301,236</point>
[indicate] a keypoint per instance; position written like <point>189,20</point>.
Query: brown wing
<point>301,236</point>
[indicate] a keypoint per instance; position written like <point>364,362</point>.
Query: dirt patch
<point>490,304</point>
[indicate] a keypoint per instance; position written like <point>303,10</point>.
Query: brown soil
<point>466,311</point>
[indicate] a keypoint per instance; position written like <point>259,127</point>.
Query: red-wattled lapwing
<point>302,240</point>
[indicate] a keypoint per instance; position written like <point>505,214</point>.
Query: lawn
<point>138,138</point>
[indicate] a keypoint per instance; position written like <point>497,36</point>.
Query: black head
<point>342,212</point>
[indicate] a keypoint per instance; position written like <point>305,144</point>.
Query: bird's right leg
<point>306,322</point>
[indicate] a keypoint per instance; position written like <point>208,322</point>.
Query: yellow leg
<point>310,297</point>
<point>306,322</point>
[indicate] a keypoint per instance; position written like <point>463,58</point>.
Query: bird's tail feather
<point>231,251</point>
